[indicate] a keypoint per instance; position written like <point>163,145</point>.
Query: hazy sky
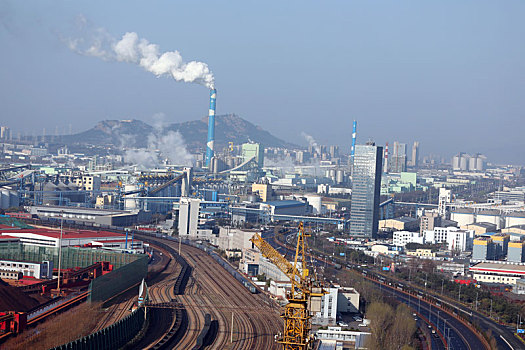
<point>450,74</point>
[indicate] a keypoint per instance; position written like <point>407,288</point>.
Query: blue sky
<point>450,74</point>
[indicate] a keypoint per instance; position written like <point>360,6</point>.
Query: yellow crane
<point>305,294</point>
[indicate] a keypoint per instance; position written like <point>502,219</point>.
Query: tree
<point>381,317</point>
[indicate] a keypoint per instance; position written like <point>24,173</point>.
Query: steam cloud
<point>161,146</point>
<point>311,142</point>
<point>132,49</point>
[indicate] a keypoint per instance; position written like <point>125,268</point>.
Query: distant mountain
<point>134,133</point>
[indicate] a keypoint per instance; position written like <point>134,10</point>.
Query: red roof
<point>8,237</point>
<point>66,234</point>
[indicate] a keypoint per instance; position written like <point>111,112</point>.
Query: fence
<point>113,337</point>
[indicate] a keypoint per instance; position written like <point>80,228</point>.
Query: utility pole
<point>490,314</point>
<point>476,301</point>
<point>231,334</point>
<point>459,293</point>
<point>442,283</point>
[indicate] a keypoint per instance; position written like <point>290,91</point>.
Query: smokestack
<point>211,128</point>
<point>352,150</point>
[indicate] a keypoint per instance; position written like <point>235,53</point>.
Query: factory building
<point>497,272</point>
<point>286,207</point>
<point>463,216</point>
<point>516,252</point>
<point>491,216</point>
<point>484,249</point>
<point>516,218</point>
<point>51,238</point>
<point>42,270</point>
<point>253,150</point>
<point>501,244</point>
<point>403,223</point>
<point>88,183</point>
<point>90,216</point>
<point>480,228</point>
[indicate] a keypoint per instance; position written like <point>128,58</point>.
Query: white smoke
<point>162,147</point>
<point>132,49</point>
<point>311,142</point>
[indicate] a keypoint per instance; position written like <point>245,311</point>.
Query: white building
<point>328,312</point>
<point>191,225</point>
<point>29,269</point>
<point>401,238</point>
<point>456,239</point>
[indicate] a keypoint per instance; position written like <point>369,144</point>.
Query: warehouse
<point>497,273</point>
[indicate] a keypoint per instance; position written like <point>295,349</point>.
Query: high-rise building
<point>5,133</point>
<point>398,158</point>
<point>366,185</point>
<point>415,154</point>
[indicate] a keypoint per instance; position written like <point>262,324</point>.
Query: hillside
<point>134,133</point>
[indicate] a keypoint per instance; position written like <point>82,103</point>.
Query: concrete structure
<point>250,150</point>
<point>501,243</point>
<point>328,312</point>
<point>42,270</point>
<point>491,216</point>
<point>90,216</point>
<point>516,218</point>
<point>88,182</point>
<point>463,216</point>
<point>399,224</point>
<point>497,273</point>
<point>456,239</point>
<point>445,197</point>
<point>484,249</point>
<point>358,340</point>
<point>286,207</point>
<point>189,209</point>
<point>51,238</point>
<point>348,300</point>
<point>480,228</point>
<point>422,253</point>
<point>429,220</point>
<point>516,252</point>
<point>366,185</point>
<point>401,238</point>
<point>263,190</point>
<point>415,154</point>
<point>398,158</point>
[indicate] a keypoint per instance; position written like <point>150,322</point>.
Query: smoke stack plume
<point>211,128</point>
<point>132,49</point>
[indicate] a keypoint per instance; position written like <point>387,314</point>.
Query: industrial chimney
<point>211,129</point>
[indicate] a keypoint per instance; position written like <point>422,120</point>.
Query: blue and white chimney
<point>352,150</point>
<point>211,129</point>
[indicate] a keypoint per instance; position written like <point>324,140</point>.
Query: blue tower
<point>211,129</point>
<point>352,150</point>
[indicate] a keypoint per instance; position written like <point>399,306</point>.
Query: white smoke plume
<point>162,146</point>
<point>132,49</point>
<point>311,142</point>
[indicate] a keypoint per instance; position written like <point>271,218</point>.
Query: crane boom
<point>304,297</point>
<point>274,256</point>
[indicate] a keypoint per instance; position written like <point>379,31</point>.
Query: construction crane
<point>304,298</point>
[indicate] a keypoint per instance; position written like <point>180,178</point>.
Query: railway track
<point>256,320</point>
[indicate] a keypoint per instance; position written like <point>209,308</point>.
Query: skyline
<point>458,77</point>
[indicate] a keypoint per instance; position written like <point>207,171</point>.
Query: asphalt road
<point>458,335</point>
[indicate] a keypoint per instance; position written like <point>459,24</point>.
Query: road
<point>457,334</point>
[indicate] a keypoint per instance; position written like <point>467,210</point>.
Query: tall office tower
<point>366,185</point>
<point>5,133</point>
<point>415,154</point>
<point>398,158</point>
